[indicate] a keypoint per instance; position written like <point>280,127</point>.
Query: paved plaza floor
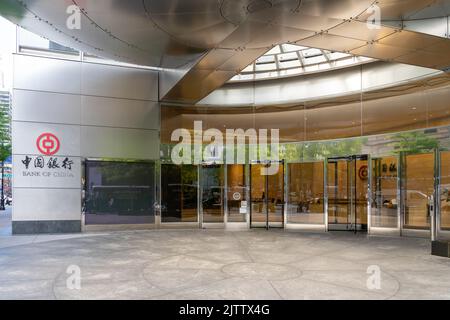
<point>219,264</point>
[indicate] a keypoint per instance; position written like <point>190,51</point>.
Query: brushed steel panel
<point>42,106</point>
<point>336,9</point>
<point>436,26</point>
<point>303,21</point>
<point>429,59</point>
<point>46,178</point>
<point>46,204</point>
<point>410,40</point>
<point>119,82</point>
<point>398,9</point>
<point>125,113</point>
<point>246,32</point>
<point>103,142</point>
<point>214,58</point>
<point>377,50</point>
<point>25,134</point>
<point>272,35</point>
<point>359,30</point>
<point>241,59</point>
<point>331,42</point>
<point>44,74</point>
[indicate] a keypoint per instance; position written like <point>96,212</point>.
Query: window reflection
<point>119,192</point>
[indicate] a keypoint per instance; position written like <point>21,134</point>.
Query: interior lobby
<point>144,134</point>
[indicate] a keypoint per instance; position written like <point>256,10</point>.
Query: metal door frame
<point>350,159</point>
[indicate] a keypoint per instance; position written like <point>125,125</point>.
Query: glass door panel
<point>179,195</point>
<point>258,196</point>
<point>267,197</point>
<point>347,188</point>
<point>236,193</point>
<point>306,193</point>
<point>275,198</point>
<point>444,199</point>
<point>384,193</point>
<point>212,186</point>
<point>361,178</point>
<point>418,186</point>
<point>338,192</point>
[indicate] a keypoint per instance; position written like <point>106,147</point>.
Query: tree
<point>5,144</point>
<point>414,142</point>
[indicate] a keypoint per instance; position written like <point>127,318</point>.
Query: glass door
<point>417,189</point>
<point>443,200</point>
<point>179,194</point>
<point>237,206</point>
<point>212,194</point>
<point>347,188</point>
<point>385,193</point>
<point>267,196</point>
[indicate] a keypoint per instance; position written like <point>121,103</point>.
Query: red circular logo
<point>47,144</point>
<point>363,172</point>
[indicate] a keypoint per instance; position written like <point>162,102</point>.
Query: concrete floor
<point>216,264</point>
<point>5,222</point>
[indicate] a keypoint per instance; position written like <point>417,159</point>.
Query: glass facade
<point>119,192</point>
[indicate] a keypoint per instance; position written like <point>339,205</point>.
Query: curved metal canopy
<point>213,40</point>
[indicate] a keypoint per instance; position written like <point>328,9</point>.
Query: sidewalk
<point>5,222</point>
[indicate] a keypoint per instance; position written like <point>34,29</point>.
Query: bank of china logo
<point>48,144</point>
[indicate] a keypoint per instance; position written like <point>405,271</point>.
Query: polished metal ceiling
<point>218,38</point>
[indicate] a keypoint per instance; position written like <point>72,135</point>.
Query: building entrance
<point>348,189</point>
<point>266,196</point>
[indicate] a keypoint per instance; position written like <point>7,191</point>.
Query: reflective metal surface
<point>220,38</point>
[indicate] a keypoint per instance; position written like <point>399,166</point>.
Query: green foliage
<point>414,142</point>
<point>5,134</point>
<point>319,150</point>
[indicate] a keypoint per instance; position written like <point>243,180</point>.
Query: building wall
<point>96,111</point>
